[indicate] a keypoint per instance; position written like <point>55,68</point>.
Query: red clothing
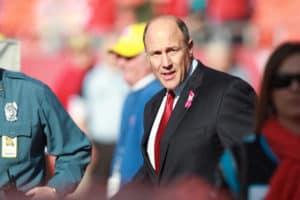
<point>69,81</point>
<point>102,15</point>
<point>17,17</point>
<point>276,21</point>
<point>285,182</point>
<point>178,8</point>
<point>221,10</point>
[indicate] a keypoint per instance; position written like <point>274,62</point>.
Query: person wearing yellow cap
<point>131,58</point>
<point>130,42</point>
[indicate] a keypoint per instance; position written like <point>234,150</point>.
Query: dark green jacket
<point>39,122</point>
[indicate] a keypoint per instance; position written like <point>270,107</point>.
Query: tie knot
<point>170,100</point>
<point>170,95</point>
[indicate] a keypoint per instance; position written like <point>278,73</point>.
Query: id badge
<point>9,147</point>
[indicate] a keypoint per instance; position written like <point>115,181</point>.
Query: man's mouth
<point>168,75</point>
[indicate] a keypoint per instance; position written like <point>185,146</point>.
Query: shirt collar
<point>143,82</point>
<point>179,89</point>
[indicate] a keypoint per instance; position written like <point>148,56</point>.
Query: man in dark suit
<point>211,110</point>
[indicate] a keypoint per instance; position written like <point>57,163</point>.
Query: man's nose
<point>120,62</point>
<point>166,62</point>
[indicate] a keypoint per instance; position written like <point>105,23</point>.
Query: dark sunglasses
<point>282,80</point>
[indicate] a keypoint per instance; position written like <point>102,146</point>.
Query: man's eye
<point>155,54</point>
<point>173,51</point>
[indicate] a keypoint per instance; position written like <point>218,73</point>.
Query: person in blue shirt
<point>130,56</point>
<point>32,120</point>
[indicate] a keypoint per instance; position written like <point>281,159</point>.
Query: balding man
<point>199,112</point>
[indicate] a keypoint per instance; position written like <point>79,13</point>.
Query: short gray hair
<point>180,23</point>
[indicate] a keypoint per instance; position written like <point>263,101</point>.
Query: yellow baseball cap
<point>130,42</point>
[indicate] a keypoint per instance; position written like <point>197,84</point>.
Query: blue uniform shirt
<point>128,153</point>
<point>38,121</point>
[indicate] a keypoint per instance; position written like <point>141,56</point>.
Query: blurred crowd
<point>63,36</point>
<point>65,44</point>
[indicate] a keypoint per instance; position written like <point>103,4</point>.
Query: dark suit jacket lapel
<point>150,116</point>
<point>180,111</point>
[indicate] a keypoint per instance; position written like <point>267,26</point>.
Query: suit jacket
<point>222,111</point>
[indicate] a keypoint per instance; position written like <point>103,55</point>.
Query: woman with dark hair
<point>268,163</point>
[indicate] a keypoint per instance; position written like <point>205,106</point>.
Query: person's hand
<point>42,193</point>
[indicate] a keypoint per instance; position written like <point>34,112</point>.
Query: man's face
<point>134,68</point>
<point>169,55</point>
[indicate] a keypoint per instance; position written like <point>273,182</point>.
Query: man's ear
<point>190,46</point>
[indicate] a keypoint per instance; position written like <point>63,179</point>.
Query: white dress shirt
<point>177,91</point>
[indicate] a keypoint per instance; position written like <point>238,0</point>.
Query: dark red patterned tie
<point>163,122</point>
